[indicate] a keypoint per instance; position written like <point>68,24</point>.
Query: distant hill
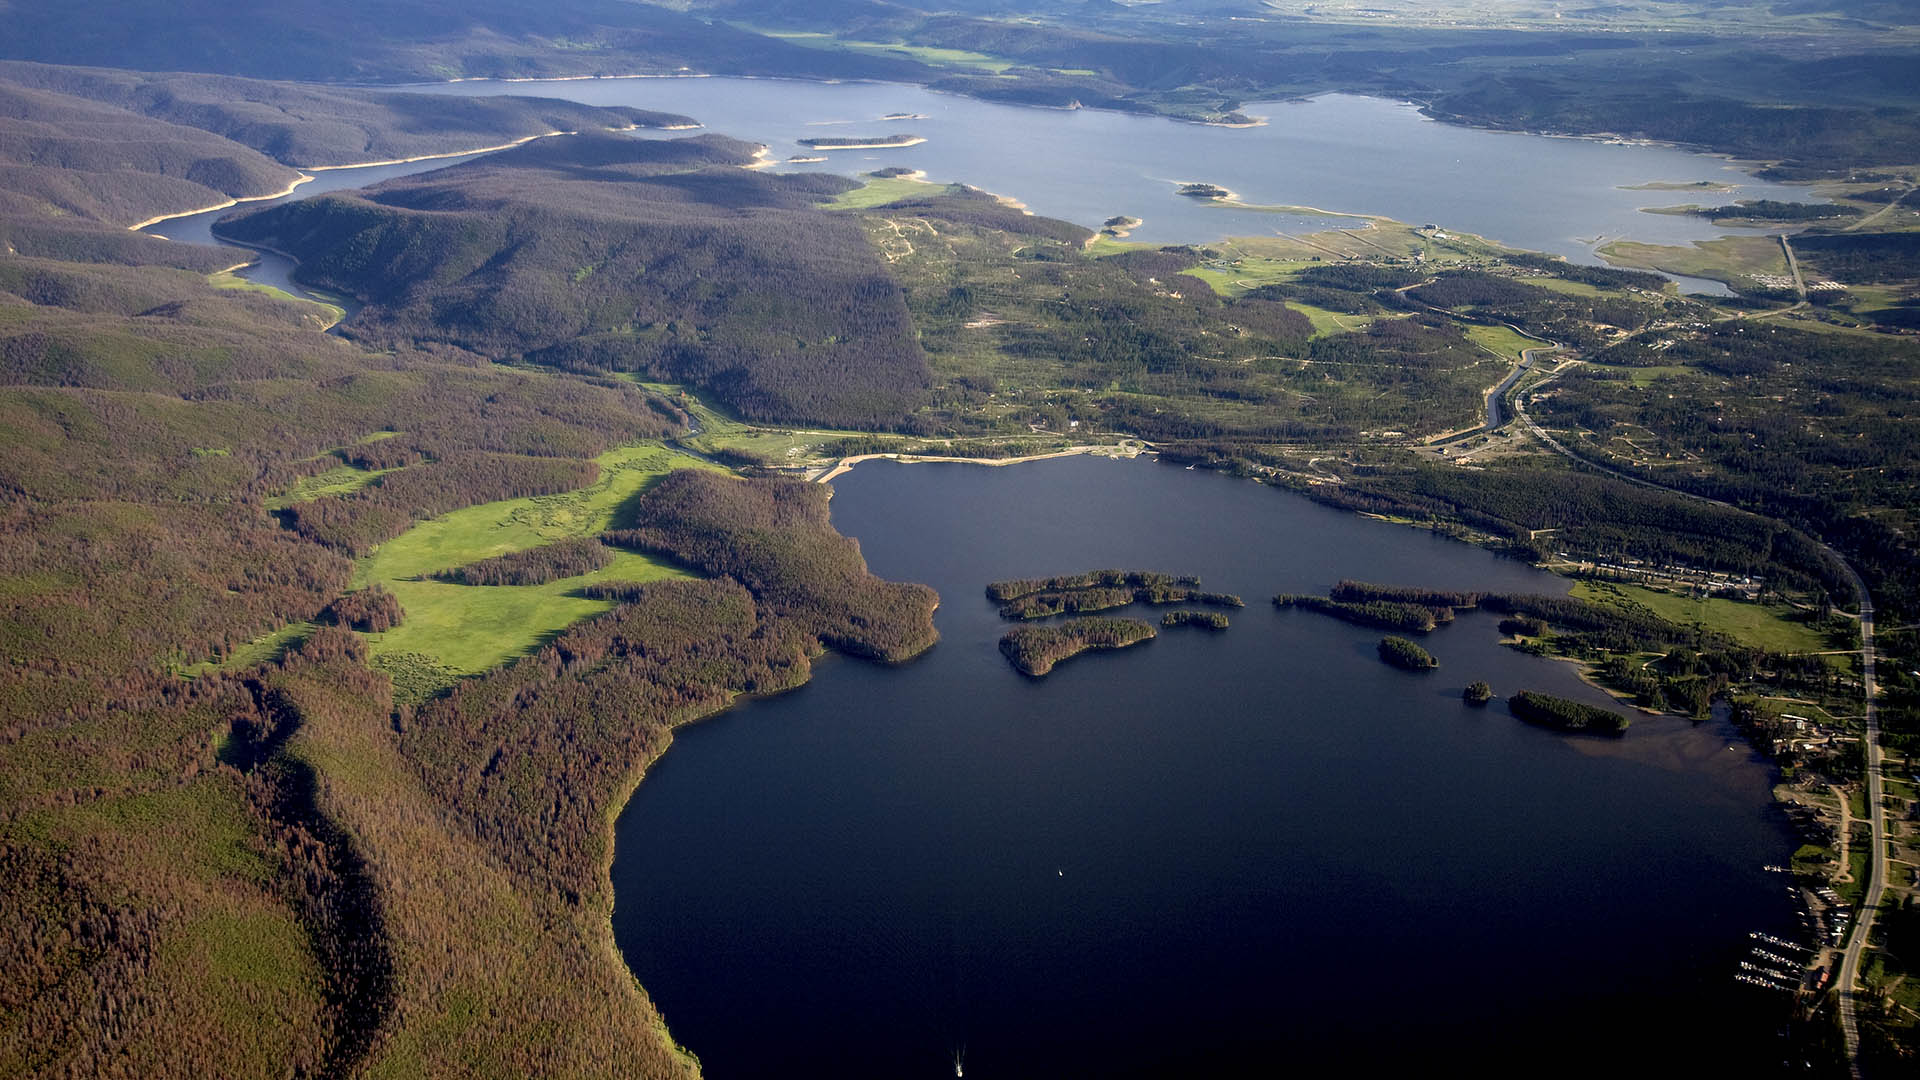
<point>312,126</point>
<point>604,252</point>
<point>63,156</point>
<point>410,40</point>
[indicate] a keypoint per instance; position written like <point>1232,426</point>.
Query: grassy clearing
<point>1104,244</point>
<point>1241,274</point>
<point>260,650</point>
<point>925,54</point>
<point>335,481</point>
<point>1729,259</point>
<point>1764,626</point>
<point>1570,288</point>
<point>478,532</point>
<point>781,446</point>
<point>1503,341</point>
<point>471,628</point>
<point>1647,376</point>
<point>227,279</point>
<point>880,190</point>
<point>1851,891</point>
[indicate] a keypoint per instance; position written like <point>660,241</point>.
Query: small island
<point>1014,588</point>
<point>1100,590</point>
<point>1477,693</point>
<point>861,142</point>
<point>1036,649</point>
<point>1404,654</point>
<point>1205,191</point>
<point>1207,620</point>
<point>1107,597</point>
<point>1120,226</point>
<point>1380,614</point>
<point>805,159</point>
<point>1564,715</point>
<point>1669,185</point>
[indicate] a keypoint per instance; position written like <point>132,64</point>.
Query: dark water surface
<point>1230,854</point>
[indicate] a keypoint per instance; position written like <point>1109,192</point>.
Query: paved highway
<point>1876,812</point>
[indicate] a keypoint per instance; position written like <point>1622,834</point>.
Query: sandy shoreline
<point>306,171</point>
<point>281,194</point>
<point>1107,449</point>
<point>889,145</point>
<point>436,157</point>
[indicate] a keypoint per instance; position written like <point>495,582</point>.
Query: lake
<point>1337,152</point>
<point>1220,854</point>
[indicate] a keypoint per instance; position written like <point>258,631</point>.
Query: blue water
<point>1338,152</point>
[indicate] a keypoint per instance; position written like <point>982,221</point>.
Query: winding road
<point>1876,812</point>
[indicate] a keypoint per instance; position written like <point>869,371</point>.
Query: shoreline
<point>894,144</point>
<point>523,140</point>
<point>281,194</point>
<point>345,312</point>
<point>306,172</point>
<point>1748,166</point>
<point>846,464</point>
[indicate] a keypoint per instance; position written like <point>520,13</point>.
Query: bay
<point>1213,854</point>
<point>1338,152</point>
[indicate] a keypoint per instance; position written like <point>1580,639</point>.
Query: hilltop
<point>607,253</point>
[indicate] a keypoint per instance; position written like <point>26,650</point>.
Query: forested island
<point>1383,614</point>
<point>858,142</point>
<point>1208,620</point>
<point>1001,592</point>
<point>1034,650</point>
<point>1404,654</point>
<point>1564,715</point>
<point>1105,597</point>
<point>1477,693</point>
<point>1205,191</point>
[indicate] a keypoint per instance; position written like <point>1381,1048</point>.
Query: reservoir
<point>1337,152</point>
<point>1214,854</point>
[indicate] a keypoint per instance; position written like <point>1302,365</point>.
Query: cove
<point>1233,854</point>
<point>272,268</point>
<point>1339,152</point>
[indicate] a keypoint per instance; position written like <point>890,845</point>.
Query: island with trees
<point>1205,191</point>
<point>1405,655</point>
<point>858,142</point>
<point>1477,693</point>
<point>1207,620</point>
<point>1562,714</point>
<point>1106,597</point>
<point>1014,588</point>
<point>1034,650</point>
<point>1381,614</point>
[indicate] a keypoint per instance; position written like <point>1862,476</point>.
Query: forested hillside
<point>214,862</point>
<point>608,253</point>
<point>323,127</point>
